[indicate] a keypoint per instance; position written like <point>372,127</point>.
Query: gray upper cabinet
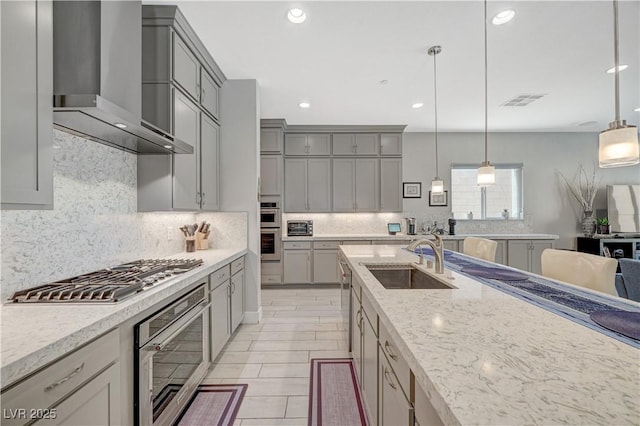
<point>343,186</point>
<point>307,185</point>
<point>355,185</point>
<point>208,93</point>
<point>271,175</point>
<point>185,68</point>
<point>27,102</point>
<point>309,144</point>
<point>355,144</point>
<point>391,144</point>
<point>209,161</point>
<point>390,184</point>
<point>271,141</point>
<point>186,170</point>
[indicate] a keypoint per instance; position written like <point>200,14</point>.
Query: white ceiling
<point>337,58</point>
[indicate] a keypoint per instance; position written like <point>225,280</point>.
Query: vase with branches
<point>584,188</point>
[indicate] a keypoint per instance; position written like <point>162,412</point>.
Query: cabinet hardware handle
<point>75,372</point>
<point>387,347</point>
<point>386,376</point>
<point>202,96</point>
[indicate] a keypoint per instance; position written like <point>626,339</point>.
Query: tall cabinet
<point>27,104</point>
<point>179,96</point>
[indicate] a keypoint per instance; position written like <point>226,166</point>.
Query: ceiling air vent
<point>522,100</point>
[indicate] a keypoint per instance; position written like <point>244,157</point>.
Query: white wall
<point>239,171</point>
<point>547,205</point>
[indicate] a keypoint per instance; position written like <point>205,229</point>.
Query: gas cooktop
<point>107,285</point>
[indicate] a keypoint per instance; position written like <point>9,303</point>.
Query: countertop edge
<point>404,237</point>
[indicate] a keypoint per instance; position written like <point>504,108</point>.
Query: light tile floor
<point>273,357</point>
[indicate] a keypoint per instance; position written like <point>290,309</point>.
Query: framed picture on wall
<point>411,189</point>
<point>438,200</point>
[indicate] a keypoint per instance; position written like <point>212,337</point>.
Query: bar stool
<point>581,269</point>
<point>481,248</point>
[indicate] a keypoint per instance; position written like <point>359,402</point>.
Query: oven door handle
<point>171,332</point>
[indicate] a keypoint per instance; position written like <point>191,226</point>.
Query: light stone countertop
<point>404,237</point>
<point>34,335</point>
<point>485,357</point>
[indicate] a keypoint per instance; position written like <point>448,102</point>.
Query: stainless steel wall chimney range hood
<point>97,76</point>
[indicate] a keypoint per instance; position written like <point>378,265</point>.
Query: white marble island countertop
<point>405,237</point>
<point>486,357</point>
<point>33,335</point>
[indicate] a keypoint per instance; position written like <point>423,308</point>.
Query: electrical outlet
<point>169,233</point>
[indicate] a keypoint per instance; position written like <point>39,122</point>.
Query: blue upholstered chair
<point>628,282</point>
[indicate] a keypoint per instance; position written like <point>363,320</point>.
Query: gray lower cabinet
<point>450,245</point>
<point>307,144</point>
<point>27,102</point>
<point>297,266</point>
<point>355,185</point>
<point>307,185</point>
<point>220,326</point>
<point>369,379</point>
<point>325,266</point>
<point>393,407</point>
<point>526,254</point>
<point>391,184</point>
<point>83,388</point>
<point>356,331</point>
<point>271,174</point>
<point>237,299</point>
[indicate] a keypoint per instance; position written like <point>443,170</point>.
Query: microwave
<point>299,228</point>
<point>270,215</point>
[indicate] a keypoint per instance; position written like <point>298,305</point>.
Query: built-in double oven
<point>171,357</point>
<point>270,232</point>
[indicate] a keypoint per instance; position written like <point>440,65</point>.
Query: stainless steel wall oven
<point>270,243</point>
<point>269,214</point>
<point>171,358</point>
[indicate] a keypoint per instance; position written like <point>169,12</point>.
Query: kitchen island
<point>485,357</point>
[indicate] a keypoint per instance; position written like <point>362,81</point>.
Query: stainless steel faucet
<point>438,250</point>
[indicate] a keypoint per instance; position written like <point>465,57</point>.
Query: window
<point>487,202</point>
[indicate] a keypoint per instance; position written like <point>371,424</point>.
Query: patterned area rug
<point>213,405</point>
<point>334,396</point>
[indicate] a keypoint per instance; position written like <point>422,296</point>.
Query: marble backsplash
<point>376,223</point>
<point>94,223</point>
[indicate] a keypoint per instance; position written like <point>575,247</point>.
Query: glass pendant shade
<point>437,186</point>
<point>619,147</point>
<point>486,174</point>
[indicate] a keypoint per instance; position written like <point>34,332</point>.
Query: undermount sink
<point>406,276</point>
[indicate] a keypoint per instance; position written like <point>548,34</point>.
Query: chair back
<point>581,269</point>
<point>481,248</point>
<point>630,269</point>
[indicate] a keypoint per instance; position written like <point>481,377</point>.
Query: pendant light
<point>486,172</point>
<point>437,185</point>
<point>619,143</point>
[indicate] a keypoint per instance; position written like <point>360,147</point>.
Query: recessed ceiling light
<point>383,82</point>
<point>417,105</point>
<point>637,110</point>
<point>620,68</point>
<point>168,146</point>
<point>304,104</point>
<point>503,17</point>
<point>120,125</point>
<point>297,16</point>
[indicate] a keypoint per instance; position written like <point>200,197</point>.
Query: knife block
<point>202,241</point>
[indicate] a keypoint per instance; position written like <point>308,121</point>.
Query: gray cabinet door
<point>319,144</point>
<point>186,68</point>
<point>295,185</point>
<point>366,180</point>
<point>295,145</point>
<point>343,185</point>
<point>394,408</point>
<point>319,185</point>
<point>237,299</point>
<point>209,93</point>
<point>325,266</point>
<point>95,403</point>
<point>27,95</point>
<point>501,252</point>
<point>366,144</point>
<point>297,266</point>
<point>186,125</point>
<point>451,245</point>
<point>356,333</point>
<point>391,184</point>
<point>271,140</point>
<point>220,316</point>
<point>537,247</point>
<point>344,143</point>
<point>519,254</point>
<point>391,144</point>
<point>209,160</point>
<point>370,367</point>
<point>270,175</point>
